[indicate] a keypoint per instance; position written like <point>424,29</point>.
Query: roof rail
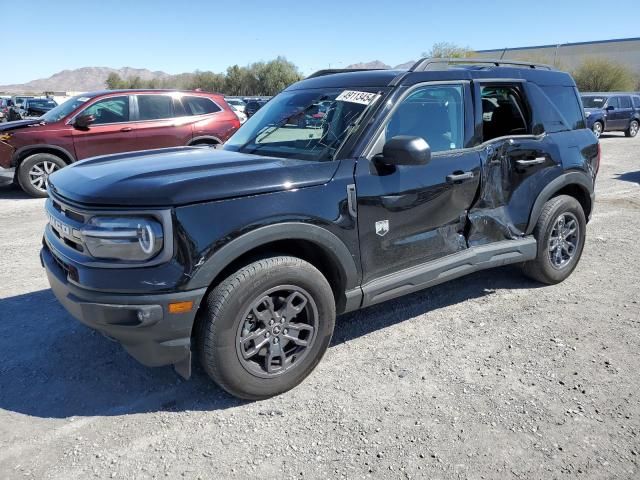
<point>331,71</point>
<point>443,63</point>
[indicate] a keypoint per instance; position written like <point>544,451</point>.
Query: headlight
<point>123,238</point>
<point>588,114</point>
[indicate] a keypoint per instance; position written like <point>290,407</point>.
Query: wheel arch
<point>204,140</point>
<point>29,150</point>
<point>575,184</point>
<point>312,243</point>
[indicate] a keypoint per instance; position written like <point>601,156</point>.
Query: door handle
<point>126,129</point>
<point>459,177</point>
<point>531,162</point>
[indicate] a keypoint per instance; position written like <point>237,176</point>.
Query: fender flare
<point>24,151</point>
<point>324,239</point>
<point>205,137</point>
<point>580,179</point>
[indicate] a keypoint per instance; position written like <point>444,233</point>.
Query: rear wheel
<point>560,233</point>
<point>266,327</point>
<point>34,171</point>
<point>598,128</point>
<point>632,131</point>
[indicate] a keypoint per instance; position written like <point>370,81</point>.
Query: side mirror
<point>611,107</point>
<point>83,121</point>
<point>405,150</point>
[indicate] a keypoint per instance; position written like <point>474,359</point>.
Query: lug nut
<point>266,334</point>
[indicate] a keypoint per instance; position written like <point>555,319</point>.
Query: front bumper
<point>162,338</point>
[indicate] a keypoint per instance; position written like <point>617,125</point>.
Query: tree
<point>448,50</point>
<point>603,75</point>
<point>114,81</point>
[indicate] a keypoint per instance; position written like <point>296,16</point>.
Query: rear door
<point>614,119</point>
<point>112,130</point>
<point>160,122</point>
<point>626,111</point>
<point>409,215</point>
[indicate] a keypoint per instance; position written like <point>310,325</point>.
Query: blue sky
<point>182,36</point>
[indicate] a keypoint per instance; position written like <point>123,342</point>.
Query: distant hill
<point>379,64</point>
<point>81,80</point>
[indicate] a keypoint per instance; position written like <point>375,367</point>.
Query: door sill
<point>452,266</point>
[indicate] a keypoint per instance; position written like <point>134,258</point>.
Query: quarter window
<point>566,101</point>
<point>199,105</point>
<point>109,110</point>
<point>434,113</point>
<point>636,102</point>
<point>154,107</point>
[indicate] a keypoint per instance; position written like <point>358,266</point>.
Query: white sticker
<point>353,96</point>
<point>83,99</point>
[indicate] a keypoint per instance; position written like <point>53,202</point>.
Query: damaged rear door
<point>408,215</point>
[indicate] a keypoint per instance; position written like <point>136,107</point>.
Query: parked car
<point>237,104</point>
<point>36,107</point>
<point>611,112</point>
<point>5,105</point>
<point>108,122</point>
<point>239,113</point>
<point>253,106</point>
<point>246,254</point>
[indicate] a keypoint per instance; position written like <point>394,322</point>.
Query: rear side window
<point>503,112</point>
<point>613,102</point>
<point>109,110</point>
<point>636,102</point>
<point>566,101</point>
<point>154,107</point>
<point>199,105</point>
<point>625,102</point>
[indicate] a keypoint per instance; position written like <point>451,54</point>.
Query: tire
<point>632,131</point>
<point>33,172</point>
<point>598,128</point>
<point>546,267</point>
<point>231,329</point>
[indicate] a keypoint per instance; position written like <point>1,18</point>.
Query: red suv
<point>108,122</point>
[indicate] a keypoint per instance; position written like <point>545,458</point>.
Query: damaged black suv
<point>345,190</point>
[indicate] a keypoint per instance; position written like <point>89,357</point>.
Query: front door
<point>110,132</point>
<point>409,215</point>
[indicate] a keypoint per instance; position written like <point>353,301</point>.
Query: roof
<point>427,70</point>
<point>141,90</point>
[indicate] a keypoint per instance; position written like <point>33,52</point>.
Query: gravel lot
<point>489,376</point>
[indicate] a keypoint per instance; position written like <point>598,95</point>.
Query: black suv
<point>245,255</point>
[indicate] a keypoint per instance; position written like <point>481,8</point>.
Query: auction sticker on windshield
<point>353,96</point>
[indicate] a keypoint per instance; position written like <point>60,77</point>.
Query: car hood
<point>19,124</point>
<point>179,176</point>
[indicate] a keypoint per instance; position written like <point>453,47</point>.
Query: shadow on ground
<point>52,366</point>
<point>13,192</point>
<point>633,177</point>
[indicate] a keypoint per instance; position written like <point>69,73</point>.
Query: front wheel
<point>34,171</point>
<point>632,131</point>
<point>560,233</point>
<point>266,327</point>
<point>598,128</point>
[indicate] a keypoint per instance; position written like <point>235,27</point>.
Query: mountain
<point>81,80</point>
<point>379,64</point>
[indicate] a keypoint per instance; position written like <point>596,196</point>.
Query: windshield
<point>594,102</point>
<point>63,109</point>
<point>42,103</point>
<point>302,124</point>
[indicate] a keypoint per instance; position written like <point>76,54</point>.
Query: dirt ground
<point>489,376</point>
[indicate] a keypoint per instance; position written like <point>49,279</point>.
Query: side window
<point>434,113</point>
<point>154,107</point>
<point>503,112</point>
<point>625,102</point>
<point>199,105</point>
<point>613,102</point>
<point>636,102</point>
<point>109,110</point>
<point>566,101</point>
<point>178,108</point>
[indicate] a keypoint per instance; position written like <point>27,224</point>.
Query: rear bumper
<point>161,338</point>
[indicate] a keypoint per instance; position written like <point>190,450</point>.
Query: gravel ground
<point>489,376</point>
